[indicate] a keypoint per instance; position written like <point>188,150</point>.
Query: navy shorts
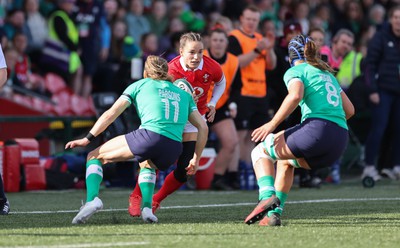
<point>320,142</point>
<point>162,151</point>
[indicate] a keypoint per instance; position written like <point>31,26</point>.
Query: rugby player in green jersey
<point>317,142</point>
<point>164,110</point>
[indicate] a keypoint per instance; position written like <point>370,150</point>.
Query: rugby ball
<point>184,85</point>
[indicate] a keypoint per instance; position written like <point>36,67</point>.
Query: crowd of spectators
<point>110,33</point>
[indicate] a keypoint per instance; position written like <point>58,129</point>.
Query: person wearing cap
<point>317,142</point>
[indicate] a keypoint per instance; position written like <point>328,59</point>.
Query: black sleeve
<point>234,46</point>
<point>61,29</point>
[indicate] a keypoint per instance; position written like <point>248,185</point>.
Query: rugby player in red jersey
<point>201,72</point>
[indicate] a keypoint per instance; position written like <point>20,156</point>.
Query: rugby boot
<point>134,205</point>
<point>262,208</point>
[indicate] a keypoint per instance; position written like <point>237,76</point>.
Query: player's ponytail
<point>313,57</point>
<point>157,68</point>
<point>305,49</point>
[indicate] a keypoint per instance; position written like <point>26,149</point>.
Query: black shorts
<point>320,142</point>
<point>145,144</point>
<point>252,113</point>
<point>221,114</point>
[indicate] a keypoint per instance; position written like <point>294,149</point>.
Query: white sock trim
<point>271,188</point>
<point>94,169</point>
<point>147,178</point>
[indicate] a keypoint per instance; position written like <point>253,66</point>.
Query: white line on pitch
<point>219,205</point>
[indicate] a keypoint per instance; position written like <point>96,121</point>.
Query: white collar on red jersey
<point>200,67</point>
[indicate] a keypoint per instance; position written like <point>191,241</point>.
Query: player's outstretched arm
<point>102,123</point>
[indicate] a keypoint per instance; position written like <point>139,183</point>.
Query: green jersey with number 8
<point>322,97</point>
<point>162,107</point>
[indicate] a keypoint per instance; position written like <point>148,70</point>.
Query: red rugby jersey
<point>208,72</point>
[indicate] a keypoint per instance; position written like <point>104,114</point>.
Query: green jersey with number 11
<point>321,94</point>
<point>162,107</point>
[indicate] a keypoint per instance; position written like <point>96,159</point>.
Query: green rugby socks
<point>282,198</point>
<point>94,176</point>
<point>147,182</point>
<point>266,187</point>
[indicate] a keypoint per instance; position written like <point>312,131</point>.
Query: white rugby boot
<point>88,210</point>
<point>148,216</point>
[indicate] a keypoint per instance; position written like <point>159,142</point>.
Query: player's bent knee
<point>258,153</point>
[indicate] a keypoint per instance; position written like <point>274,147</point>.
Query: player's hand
<point>262,132</point>
<point>191,169</point>
<point>211,113</point>
<point>78,142</point>
<point>195,97</point>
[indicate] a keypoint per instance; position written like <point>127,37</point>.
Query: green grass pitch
<point>347,215</point>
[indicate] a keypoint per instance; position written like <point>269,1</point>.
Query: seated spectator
<point>14,22</point>
<point>149,45</point>
<point>136,21</point>
<point>173,49</point>
<point>3,38</point>
<point>180,9</point>
<point>158,18</point>
<point>114,73</point>
<point>20,69</point>
<point>111,10</point>
<point>175,26</point>
<point>37,30</point>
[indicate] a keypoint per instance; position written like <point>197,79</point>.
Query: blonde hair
<point>189,37</point>
<point>157,68</point>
